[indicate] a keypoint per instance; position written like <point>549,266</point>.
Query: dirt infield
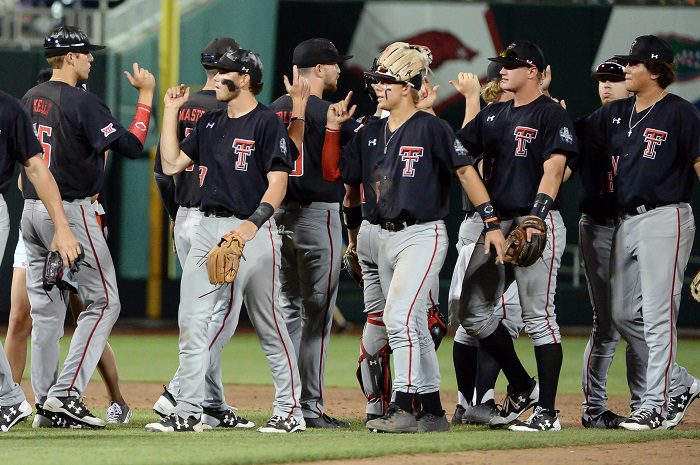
<point>349,403</point>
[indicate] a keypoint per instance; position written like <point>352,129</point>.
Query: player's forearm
<point>352,196</point>
<point>472,107</point>
<point>298,122</point>
<point>330,155</point>
<point>553,175</point>
<point>170,154</point>
<point>47,190</point>
<point>276,189</point>
<point>472,185</point>
<point>696,166</point>
<point>146,97</point>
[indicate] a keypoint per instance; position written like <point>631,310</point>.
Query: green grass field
<point>151,359</point>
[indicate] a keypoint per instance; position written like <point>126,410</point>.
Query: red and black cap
<point>215,50</point>
<point>66,39</point>
<point>318,51</point>
<point>241,61</point>
<point>521,55</point>
<point>649,48</point>
<point>612,69</point>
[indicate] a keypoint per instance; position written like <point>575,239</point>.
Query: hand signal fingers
<point>347,99</point>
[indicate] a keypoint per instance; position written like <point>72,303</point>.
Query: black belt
<point>219,212</point>
<point>634,211</point>
<point>395,226</point>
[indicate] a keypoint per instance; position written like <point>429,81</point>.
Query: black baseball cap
<point>493,72</point>
<point>521,55</point>
<point>649,48</point>
<point>66,39</point>
<point>612,69</point>
<point>242,61</point>
<point>317,51</point>
<point>216,48</point>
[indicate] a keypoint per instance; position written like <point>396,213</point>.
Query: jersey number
<point>42,133</point>
<point>299,163</point>
<point>202,174</point>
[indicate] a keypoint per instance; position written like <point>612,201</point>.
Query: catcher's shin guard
<point>374,376</point>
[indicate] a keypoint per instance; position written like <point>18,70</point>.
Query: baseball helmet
<point>242,61</point>
<point>66,39</point>
<point>215,49</point>
<point>402,63</point>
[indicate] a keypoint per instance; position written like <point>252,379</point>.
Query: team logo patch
<point>617,120</point>
<point>566,136</point>
<point>372,142</point>
<point>653,137</point>
<point>523,136</point>
<point>283,146</point>
<point>491,118</point>
<point>243,148</point>
<point>459,148</point>
<point>141,126</point>
<point>109,129</point>
<point>410,155</point>
<point>210,125</point>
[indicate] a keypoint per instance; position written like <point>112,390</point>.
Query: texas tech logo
<point>653,137</point>
<point>410,155</point>
<point>523,136</point>
<point>243,148</point>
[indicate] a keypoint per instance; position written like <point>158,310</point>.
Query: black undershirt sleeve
<point>128,145</point>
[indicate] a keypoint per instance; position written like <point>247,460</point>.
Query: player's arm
<point>479,196</point>
<point>548,189</point>
<point>468,85</point>
<point>299,90</point>
<point>696,166</point>
<point>337,114</point>
<point>47,190</point>
<point>428,95</point>
<point>173,159</point>
<point>271,200</point>
<point>352,213</point>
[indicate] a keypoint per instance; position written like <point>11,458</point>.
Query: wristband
<point>139,125</point>
<point>352,217</point>
<point>297,118</point>
<point>543,203</point>
<point>332,130</point>
<point>488,214</point>
<point>263,213</point>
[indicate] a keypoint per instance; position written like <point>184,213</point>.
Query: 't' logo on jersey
<point>523,136</point>
<point>409,155</point>
<point>653,137</point>
<point>243,148</point>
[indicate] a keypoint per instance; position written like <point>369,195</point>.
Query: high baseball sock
<point>464,358</point>
<point>549,359</point>
<point>487,370</point>
<point>501,348</point>
<point>404,401</point>
<point>431,403</point>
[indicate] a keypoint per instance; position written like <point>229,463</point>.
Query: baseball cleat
<point>223,419</point>
<point>175,424</point>
<point>480,414</point>
<point>643,420</point>
<point>457,416</point>
<point>166,403</point>
<point>12,414</point>
<point>74,408</point>
<point>678,405</point>
<point>44,419</point>
<point>430,423</point>
<point>606,420</point>
<point>542,419</point>
<point>118,413</point>
<point>277,424</point>
<point>325,421</point>
<point>515,404</point>
<point>396,420</point>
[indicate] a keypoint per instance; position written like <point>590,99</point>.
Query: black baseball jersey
<point>234,156</point>
<point>594,165</point>
<point>187,183</point>
<point>406,173</point>
<point>74,128</point>
<point>515,143</point>
<point>17,139</point>
<point>306,183</point>
<point>652,153</point>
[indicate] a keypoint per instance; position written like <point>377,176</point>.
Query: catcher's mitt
<point>223,259</point>
<point>351,263</point>
<point>437,324</point>
<point>695,287</point>
<point>518,251</point>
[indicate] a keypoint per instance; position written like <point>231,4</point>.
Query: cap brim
<point>512,62</point>
<point>628,58</point>
<point>93,47</point>
<point>342,58</point>
<point>383,77</point>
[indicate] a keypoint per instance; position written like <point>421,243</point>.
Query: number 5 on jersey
<point>43,133</point>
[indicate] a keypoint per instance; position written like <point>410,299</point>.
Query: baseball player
<point>525,144</point>
<point>75,129</point>
<point>182,200</point>
<point>653,140</point>
<point>405,163</point>
<point>475,369</point>
<point>244,154</point>
<point>20,324</point>
<point>596,228</point>
<point>18,143</point>
<point>310,221</point>
<point>373,372</point>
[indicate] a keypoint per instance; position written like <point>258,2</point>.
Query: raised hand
<point>467,84</point>
<point>299,89</point>
<point>428,95</point>
<point>338,113</point>
<point>176,96</point>
<point>142,79</point>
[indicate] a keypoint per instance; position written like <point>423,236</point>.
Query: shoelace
<point>274,419</point>
<point>114,412</point>
<point>641,414</point>
<point>536,414</point>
